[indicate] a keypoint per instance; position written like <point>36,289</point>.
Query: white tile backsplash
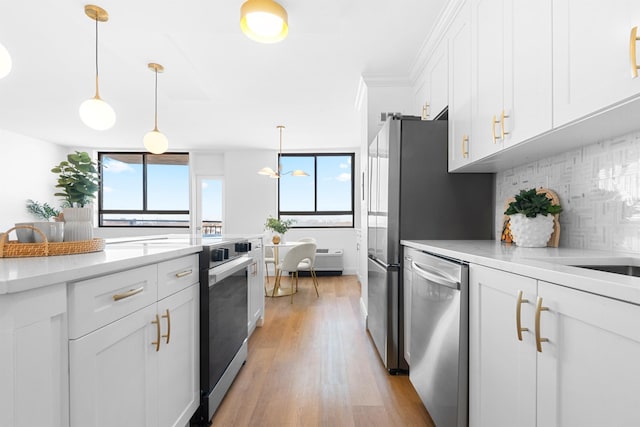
<point>599,190</point>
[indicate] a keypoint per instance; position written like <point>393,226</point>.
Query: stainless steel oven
<point>223,321</point>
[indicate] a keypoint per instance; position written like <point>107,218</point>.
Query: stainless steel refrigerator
<point>412,196</point>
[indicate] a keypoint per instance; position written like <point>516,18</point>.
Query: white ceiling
<point>220,90</point>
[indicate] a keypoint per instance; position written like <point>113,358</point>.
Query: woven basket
<point>15,249</point>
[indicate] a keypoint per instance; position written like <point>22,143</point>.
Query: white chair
<point>269,258</point>
<point>297,254</point>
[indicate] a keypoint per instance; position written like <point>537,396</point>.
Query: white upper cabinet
<point>431,89</point>
<point>461,145</point>
<point>512,73</point>
<point>591,56</point>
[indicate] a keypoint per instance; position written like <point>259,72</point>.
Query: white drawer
<point>177,274</point>
<point>97,302</point>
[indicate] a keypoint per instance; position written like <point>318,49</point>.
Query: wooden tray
<point>15,249</point>
<point>554,240</point>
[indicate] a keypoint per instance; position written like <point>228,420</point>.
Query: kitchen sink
<point>626,270</point>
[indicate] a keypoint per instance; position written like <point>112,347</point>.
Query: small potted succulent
<point>531,217</point>
<point>78,180</point>
<point>278,226</point>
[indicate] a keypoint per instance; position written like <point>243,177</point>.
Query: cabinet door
<point>502,369</point>
<point>178,358</point>
<point>461,142</point>
<point>113,380</point>
<point>33,358</point>
<point>527,74</point>
<point>588,372</point>
<point>256,288</point>
<point>488,70</point>
<point>438,80</point>
<point>591,67</point>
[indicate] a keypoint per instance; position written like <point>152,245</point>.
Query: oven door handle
<point>227,269</point>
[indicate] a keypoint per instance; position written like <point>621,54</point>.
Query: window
<point>144,190</point>
<point>322,199</point>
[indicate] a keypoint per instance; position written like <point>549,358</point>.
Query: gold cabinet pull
<point>465,146</point>
<point>425,111</point>
<point>255,269</point>
<point>167,316</point>
<point>539,309</point>
<point>129,293</point>
<point>494,122</point>
<point>157,341</point>
<point>502,132</point>
<point>184,273</point>
<point>632,52</point>
<point>519,328</point>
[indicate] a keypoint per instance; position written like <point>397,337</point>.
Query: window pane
<point>334,183</point>
<point>145,220</point>
<point>122,182</point>
<point>168,182</point>
<point>296,192</point>
<point>320,220</point>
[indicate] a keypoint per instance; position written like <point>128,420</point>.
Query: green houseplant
<point>531,218</point>
<point>278,227</point>
<point>78,180</point>
<point>42,211</point>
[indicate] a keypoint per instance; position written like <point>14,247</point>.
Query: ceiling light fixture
<point>264,21</point>
<point>94,112</point>
<point>273,174</point>
<point>5,62</point>
<point>155,141</point>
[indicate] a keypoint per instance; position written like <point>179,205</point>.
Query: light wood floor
<point>313,364</point>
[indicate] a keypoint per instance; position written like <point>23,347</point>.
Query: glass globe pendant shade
<point>97,114</point>
<point>5,62</point>
<point>155,142</point>
<point>264,21</point>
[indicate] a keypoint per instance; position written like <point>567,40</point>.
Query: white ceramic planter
<point>78,224</point>
<point>54,231</point>
<point>531,232</point>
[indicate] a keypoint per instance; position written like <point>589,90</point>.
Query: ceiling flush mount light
<point>155,141</point>
<point>5,62</point>
<point>94,112</point>
<point>264,21</point>
<point>273,174</point>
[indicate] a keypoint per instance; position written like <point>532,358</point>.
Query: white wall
<point>25,173</point>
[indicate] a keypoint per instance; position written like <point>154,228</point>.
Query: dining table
<point>277,290</point>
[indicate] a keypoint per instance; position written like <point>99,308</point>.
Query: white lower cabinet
<point>256,286</point>
<point>33,358</point>
<point>583,370</point>
<point>141,369</point>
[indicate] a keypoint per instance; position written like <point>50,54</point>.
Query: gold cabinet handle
<point>502,132</point>
<point>465,146</point>
<point>255,269</point>
<point>157,341</point>
<point>184,273</point>
<point>539,309</point>
<point>129,293</point>
<point>632,52</point>
<point>167,316</point>
<point>425,111</point>
<point>519,328</point>
<point>494,122</point>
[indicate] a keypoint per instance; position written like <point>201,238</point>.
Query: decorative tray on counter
<point>15,249</point>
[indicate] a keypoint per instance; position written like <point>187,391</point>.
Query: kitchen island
<point>551,342</point>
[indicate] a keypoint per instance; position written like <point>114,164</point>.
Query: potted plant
<point>278,227</point>
<point>46,213</point>
<point>78,180</point>
<point>531,217</point>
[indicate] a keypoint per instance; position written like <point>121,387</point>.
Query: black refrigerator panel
<point>433,203</point>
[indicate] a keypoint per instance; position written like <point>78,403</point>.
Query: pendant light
<point>264,21</point>
<point>155,141</point>
<point>5,62</point>
<point>273,174</point>
<point>94,112</point>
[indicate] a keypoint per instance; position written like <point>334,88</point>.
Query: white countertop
<point>552,265</point>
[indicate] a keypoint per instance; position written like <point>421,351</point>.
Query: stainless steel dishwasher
<point>440,336</point>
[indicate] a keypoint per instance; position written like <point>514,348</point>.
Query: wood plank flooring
<point>313,364</point>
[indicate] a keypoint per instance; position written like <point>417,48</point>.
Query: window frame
<point>144,209</point>
<point>315,212</point>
